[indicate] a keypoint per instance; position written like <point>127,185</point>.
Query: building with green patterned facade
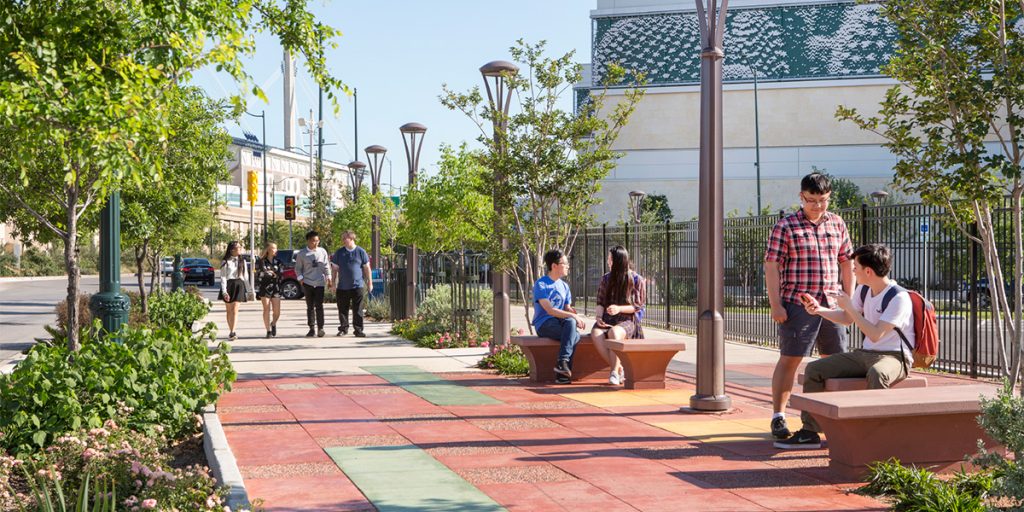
<point>809,57</point>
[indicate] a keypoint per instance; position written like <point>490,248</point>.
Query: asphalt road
<point>27,306</point>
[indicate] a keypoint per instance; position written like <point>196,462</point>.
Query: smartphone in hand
<point>806,299</point>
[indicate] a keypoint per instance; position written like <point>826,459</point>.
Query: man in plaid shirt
<point>808,254</point>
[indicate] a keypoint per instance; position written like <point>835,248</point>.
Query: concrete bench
<point>543,354</point>
<point>859,383</point>
<point>645,361</point>
<point>932,427</point>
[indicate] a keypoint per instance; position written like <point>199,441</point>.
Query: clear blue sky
<point>397,53</point>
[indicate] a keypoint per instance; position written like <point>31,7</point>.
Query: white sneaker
<point>614,379</point>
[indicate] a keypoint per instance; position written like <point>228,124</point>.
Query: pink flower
<point>484,344</point>
<point>520,331</point>
<point>89,453</point>
<point>150,503</point>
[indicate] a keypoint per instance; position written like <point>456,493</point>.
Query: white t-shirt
<point>900,312</point>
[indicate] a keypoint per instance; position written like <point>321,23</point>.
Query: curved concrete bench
<point>644,361</point>
<point>543,354</point>
<point>859,383</point>
<point>932,427</point>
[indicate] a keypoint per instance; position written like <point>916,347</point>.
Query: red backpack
<point>926,326</point>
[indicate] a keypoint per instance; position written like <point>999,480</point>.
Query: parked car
<point>290,287</point>
<point>198,269</point>
<point>167,265</point>
<point>981,286</point>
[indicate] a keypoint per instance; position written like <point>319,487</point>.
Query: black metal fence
<point>931,255</point>
<point>462,272</point>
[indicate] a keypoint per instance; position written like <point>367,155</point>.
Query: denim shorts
<point>802,330</point>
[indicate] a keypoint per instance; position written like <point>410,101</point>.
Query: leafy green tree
<point>656,205</point>
<point>960,67</point>
<point>845,193</point>
<point>450,211</point>
<point>552,160</point>
<point>160,219</point>
<point>82,92</point>
<point>358,217</point>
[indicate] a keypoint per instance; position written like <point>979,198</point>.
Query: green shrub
<point>162,377</point>
<point>507,359</point>
<point>919,490</point>
<point>84,313</point>
<point>178,309</point>
<point>437,313</point>
<point>91,463</point>
<point>1002,418</point>
<point>378,308</point>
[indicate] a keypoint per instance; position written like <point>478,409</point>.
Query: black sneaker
<point>802,440</point>
<point>779,428</point>
<point>562,379</point>
<point>341,333</point>
<point>320,333</point>
<point>562,369</point>
<point>273,330</point>
<point>311,333</point>
<point>232,337</point>
<point>360,334</point>
<point>268,334</point>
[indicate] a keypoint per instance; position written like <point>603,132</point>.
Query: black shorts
<point>802,330</point>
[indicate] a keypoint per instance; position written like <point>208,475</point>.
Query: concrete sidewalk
<point>377,424</point>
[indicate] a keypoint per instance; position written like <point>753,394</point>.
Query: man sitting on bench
<point>884,358</point>
<point>553,314</point>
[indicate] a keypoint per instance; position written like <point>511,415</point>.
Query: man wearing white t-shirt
<point>884,359</point>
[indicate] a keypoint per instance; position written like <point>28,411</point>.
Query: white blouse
<point>230,269</point>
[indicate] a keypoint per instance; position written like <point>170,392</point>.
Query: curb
<point>222,462</point>
<point>4,280</point>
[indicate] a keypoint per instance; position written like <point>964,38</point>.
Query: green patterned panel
<point>783,43</point>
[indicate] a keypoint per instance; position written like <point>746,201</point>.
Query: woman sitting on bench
<point>621,295</point>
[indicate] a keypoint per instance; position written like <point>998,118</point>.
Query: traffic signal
<point>289,207</point>
<point>254,184</point>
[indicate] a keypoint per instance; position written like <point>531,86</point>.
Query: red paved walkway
<point>540,449</point>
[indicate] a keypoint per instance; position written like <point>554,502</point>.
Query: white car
<point>167,265</point>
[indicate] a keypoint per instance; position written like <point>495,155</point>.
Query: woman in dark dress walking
<point>233,274</point>
<point>268,287</point>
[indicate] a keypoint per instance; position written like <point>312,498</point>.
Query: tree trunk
<point>71,263</point>
<point>155,270</point>
<point>140,259</point>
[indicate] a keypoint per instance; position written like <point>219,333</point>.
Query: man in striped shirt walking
<point>808,254</point>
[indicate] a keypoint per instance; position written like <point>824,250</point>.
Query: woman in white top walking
<point>233,274</point>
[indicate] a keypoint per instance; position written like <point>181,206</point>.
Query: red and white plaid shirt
<point>809,255</point>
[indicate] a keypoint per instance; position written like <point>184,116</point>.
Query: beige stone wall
<point>789,116</point>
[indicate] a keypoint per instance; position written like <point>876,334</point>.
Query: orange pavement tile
<point>314,493</point>
<point>260,448</point>
<point>824,497</point>
<point>352,380</point>
<point>240,399</point>
<point>525,497</point>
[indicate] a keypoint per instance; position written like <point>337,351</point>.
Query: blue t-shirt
<point>555,291</point>
<point>350,267</point>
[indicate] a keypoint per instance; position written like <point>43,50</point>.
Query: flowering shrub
<point>452,340</point>
<point>161,377</point>
<point>126,462</point>
<point>506,359</point>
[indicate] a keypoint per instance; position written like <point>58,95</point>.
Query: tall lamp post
<point>375,156</point>
<point>411,132</point>
<point>636,202</point>
<point>500,97</point>
<point>110,305</point>
<point>356,173</point>
<point>710,395</point>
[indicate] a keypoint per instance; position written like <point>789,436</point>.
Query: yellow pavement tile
<point>717,431</point>
<point>616,398</point>
<point>665,396</point>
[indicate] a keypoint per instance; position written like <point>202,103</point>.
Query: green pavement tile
<point>430,387</point>
<point>406,479</point>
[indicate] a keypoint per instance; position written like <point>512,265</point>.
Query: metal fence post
<point>586,266</point>
<point>668,277</point>
<point>973,287</point>
<point>631,250</point>
<point>863,223</point>
<point>604,242</point>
